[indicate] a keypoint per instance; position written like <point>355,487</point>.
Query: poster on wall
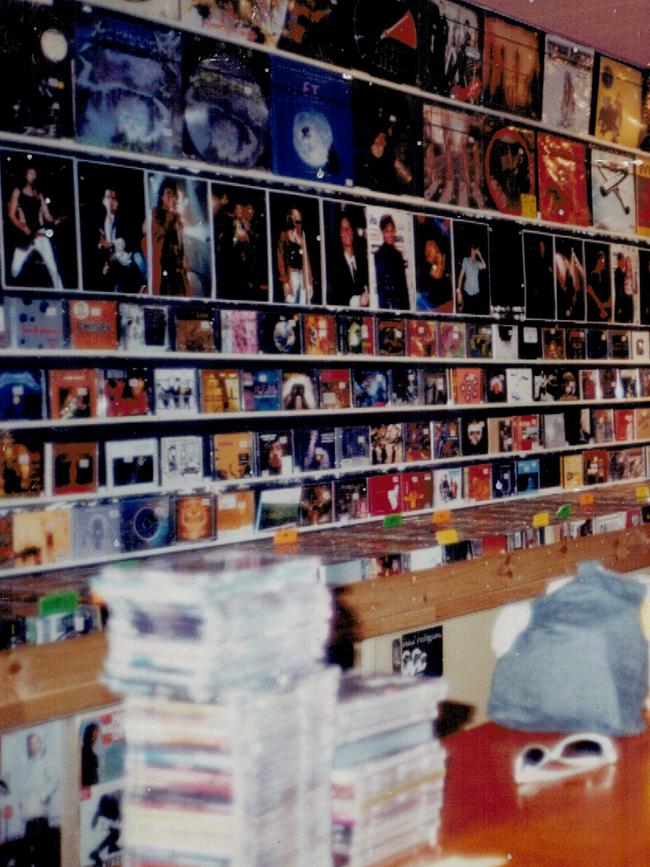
<point>158,9</point>
<point>472,267</point>
<point>568,71</point>
<point>569,270</point>
<point>510,176</point>
<point>319,29</point>
<point>253,22</point>
<point>433,264</point>
<point>612,192</point>
<point>538,275</point>
<point>346,254</point>
<point>385,38</point>
<point>624,264</point>
<point>239,236</point>
<point>295,245</point>
<point>392,266</point>
<point>450,50</point>
<point>511,67</point>
<point>618,115</point>
<point>453,157</point>
<point>506,267</point>
<point>642,178</point>
<point>562,180</point>
<point>599,281</point>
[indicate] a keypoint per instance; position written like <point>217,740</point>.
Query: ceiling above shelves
<point>620,28</point>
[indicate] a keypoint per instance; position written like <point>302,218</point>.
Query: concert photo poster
<point>506,268</point>
<point>39,234</point>
<point>36,48</point>
<point>511,67</point>
<point>450,50</point>
<point>434,267</point>
<point>612,192</point>
<point>472,267</point>
<point>179,236</point>
<point>259,22</point>
<point>562,169</point>
<point>239,237</point>
<point>346,254</point>
<point>510,176</point>
<point>311,120</point>
<point>386,131</point>
<point>624,265</point>
<point>128,92</point>
<point>392,266</point>
<point>568,72</point>
<point>226,103</point>
<point>295,248</point>
<point>111,220</point>
<point>538,275</point>
<point>569,271</point>
<point>453,157</point>
<point>386,38</point>
<point>617,115</point>
<point>598,281</point>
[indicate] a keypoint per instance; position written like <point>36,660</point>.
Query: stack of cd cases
<point>229,711</point>
<point>388,773</point>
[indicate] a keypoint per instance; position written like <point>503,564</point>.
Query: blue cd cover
<point>21,394</point>
<point>128,85</point>
<point>146,522</point>
<point>311,121</point>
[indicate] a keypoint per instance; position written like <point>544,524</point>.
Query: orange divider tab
<point>287,536</point>
<point>586,499</point>
<point>443,517</point>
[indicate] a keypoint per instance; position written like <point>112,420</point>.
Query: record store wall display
<point>316,264</point>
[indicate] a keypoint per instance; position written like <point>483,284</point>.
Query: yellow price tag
<point>447,537</point>
<point>528,205</point>
<point>586,499</point>
<point>642,492</point>
<point>287,536</point>
<point>441,517</point>
<point>541,519</point>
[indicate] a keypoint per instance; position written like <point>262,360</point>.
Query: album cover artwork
<point>539,275</point>
<point>450,52</point>
<point>553,340</point>
<point>642,423</point>
<point>93,324</point>
<point>370,388</point>
<point>181,461</point>
<point>318,29</point>
<point>500,434</point>
<point>385,494</point>
<point>595,464</point>
<point>233,455</point>
<point>392,266</point>
<point>474,436</point>
<point>446,438</point>
<point>644,286</point>
<point>434,269</point>
<point>471,267</point>
<point>299,390</point>
<point>219,390</point>
<point>602,425</point>
<point>36,323</point>
<point>640,345</point>
<point>143,326</point>
<point>100,824</point>
<point>507,296</point>
<point>629,383</point>
<point>278,507</point>
<point>259,22</point>
<point>311,122</point>
<point>453,157</point>
<point>315,449</point>
<point>612,192</point>
<point>180,258</point>
<point>131,465</point>
<point>570,278</point>
<point>39,237</point>
<point>417,441</point>
<point>41,536</point>
<point>235,514</point>
<point>553,430</point>
<point>240,332</point>
<point>590,384</point>
<point>21,395</point>
<point>316,504</point>
<point>597,343</point>
<point>36,68</point>
<point>568,71</point>
<point>386,128</point>
<point>351,497</point>
<point>146,522</point>
<point>562,168</point>
<point>194,329</point>
<point>387,443</point>
<point>295,245</point>
<point>525,432</point>
<point>72,393</point>
<point>175,391</point>
<point>624,264</point>
<point>346,254</point>
<point>157,9</point>
<point>477,482</point>
<point>511,67</point>
<point>96,529</point>
<point>503,479</point>
<point>619,344</point>
<point>391,336</point>
<point>467,385</point>
<point>385,39</point>
<point>576,340</point>
<point>519,384</point>
<point>353,443</point>
<point>334,388</point>
<point>71,468</point>
<point>528,475</point>
<point>280,333</point>
<point>356,335</point>
<point>572,471</point>
<point>261,390</point>
<point>644,382</point>
<point>610,383</point>
<point>598,281</point>
<point>128,84</point>
<point>618,115</point>
<point>417,490</point>
<point>547,384</point>
<point>194,518</point>
<point>226,103</point>
<point>126,392</point>
<point>479,340</point>
<point>447,487</point>
<point>112,216</point>
<point>505,341</point>
<point>275,453</point>
<point>496,385</point>
<point>405,389</point>
<point>435,386</point>
<point>510,171</point>
<point>452,339</point>
<point>421,338</point>
<point>642,182</point>
<point>319,333</point>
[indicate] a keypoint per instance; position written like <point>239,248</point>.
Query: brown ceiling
<point>620,28</point>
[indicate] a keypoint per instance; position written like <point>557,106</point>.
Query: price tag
<point>528,205</point>
<point>287,536</point>
<point>586,499</point>
<point>564,511</point>
<point>541,519</point>
<point>441,517</point>
<point>642,492</point>
<point>447,537</point>
<point>392,521</point>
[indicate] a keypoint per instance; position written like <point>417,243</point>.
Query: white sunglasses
<point>574,754</point>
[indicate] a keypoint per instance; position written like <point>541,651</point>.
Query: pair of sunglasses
<point>575,754</point>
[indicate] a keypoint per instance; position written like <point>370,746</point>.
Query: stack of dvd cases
<point>230,711</point>
<point>388,774</point>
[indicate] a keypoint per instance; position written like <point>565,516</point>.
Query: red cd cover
<point>417,490</point>
<point>385,494</point>
<point>93,325</point>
